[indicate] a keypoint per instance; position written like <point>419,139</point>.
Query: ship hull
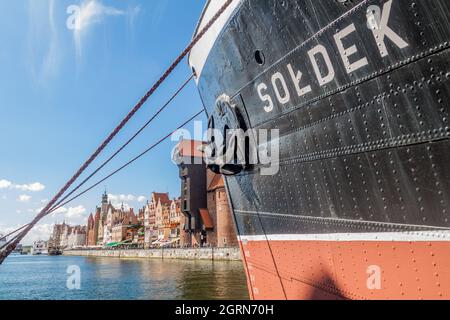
<point>358,207</point>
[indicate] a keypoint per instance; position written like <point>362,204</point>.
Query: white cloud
<point>5,184</point>
<point>70,213</point>
<point>24,198</point>
<point>125,199</point>
<point>93,12</point>
<point>43,41</point>
<point>33,187</point>
<point>121,197</point>
<point>44,200</point>
<point>76,212</point>
<point>39,232</point>
<point>5,230</point>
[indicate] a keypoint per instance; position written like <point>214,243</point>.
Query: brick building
<point>177,221</point>
<point>223,231</point>
<point>189,157</point>
<point>122,222</point>
<point>204,201</point>
<point>91,232</point>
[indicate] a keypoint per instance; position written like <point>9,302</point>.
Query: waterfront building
<point>77,238</point>
<point>176,221</point>
<point>102,223</point>
<point>141,216</point>
<point>189,157</point>
<point>219,225</point>
<point>112,225</point>
<point>158,205</point>
<point>162,217</point>
<point>96,225</point>
<point>124,223</point>
<point>107,228</point>
<point>56,239</point>
<point>99,233</point>
<point>140,237</point>
<point>203,200</point>
<point>166,223</point>
<point>91,239</point>
<point>147,228</point>
<point>66,236</point>
<point>65,233</point>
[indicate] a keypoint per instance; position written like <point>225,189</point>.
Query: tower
<point>104,204</point>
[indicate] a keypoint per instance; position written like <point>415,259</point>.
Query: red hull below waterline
<point>347,270</point>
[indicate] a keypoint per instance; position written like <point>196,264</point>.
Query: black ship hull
<point>359,92</point>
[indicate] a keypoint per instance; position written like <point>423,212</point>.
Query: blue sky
<point>62,89</point>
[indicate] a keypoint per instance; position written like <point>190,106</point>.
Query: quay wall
<point>218,254</point>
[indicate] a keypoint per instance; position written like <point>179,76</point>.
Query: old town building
<point>123,221</point>
<point>221,231</point>
<point>92,227</point>
<point>66,231</point>
<point>65,236</point>
<point>189,157</point>
<point>148,230</point>
<point>204,201</point>
<point>153,218</point>
<point>177,222</point>
<point>162,214</point>
<point>97,228</point>
<point>55,239</point>
<point>77,238</point>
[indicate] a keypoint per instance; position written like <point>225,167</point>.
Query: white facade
<point>76,239</point>
<point>65,236</point>
<point>107,235</point>
<point>107,230</point>
<point>148,236</point>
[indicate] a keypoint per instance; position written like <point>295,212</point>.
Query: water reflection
<point>26,277</point>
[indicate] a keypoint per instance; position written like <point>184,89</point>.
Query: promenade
<point>215,254</point>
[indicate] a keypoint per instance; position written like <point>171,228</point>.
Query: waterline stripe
<point>345,237</point>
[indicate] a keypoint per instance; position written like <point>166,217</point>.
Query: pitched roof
<point>216,183</point>
<point>163,197</point>
<point>190,148</point>
<point>206,218</point>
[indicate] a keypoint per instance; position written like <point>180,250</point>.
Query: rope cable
<point>112,173</point>
<point>57,205</point>
<point>111,136</point>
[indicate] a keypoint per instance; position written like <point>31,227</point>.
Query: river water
<point>47,278</point>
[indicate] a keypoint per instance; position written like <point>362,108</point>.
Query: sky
<point>66,82</point>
